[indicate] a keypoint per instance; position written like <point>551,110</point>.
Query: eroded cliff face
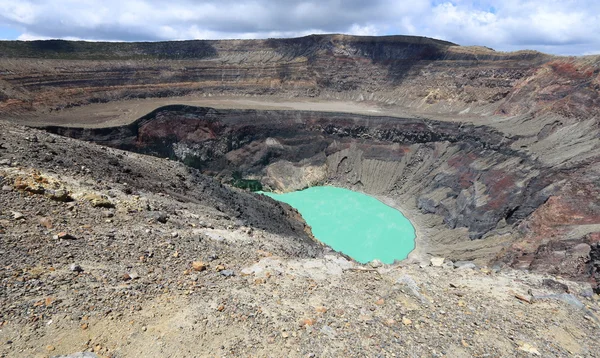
<point>471,194</point>
<point>421,73</point>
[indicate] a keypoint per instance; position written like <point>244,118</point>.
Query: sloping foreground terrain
<point>493,156</point>
<point>127,255</point>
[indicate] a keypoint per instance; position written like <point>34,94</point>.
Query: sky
<point>565,27</point>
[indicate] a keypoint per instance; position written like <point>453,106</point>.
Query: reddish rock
<point>199,266</point>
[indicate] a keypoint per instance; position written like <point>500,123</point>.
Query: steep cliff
<point>418,72</point>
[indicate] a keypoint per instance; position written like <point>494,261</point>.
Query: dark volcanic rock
<point>594,265</point>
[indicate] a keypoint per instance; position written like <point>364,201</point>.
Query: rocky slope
<point>122,255</point>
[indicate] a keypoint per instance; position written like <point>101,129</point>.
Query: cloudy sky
<point>568,27</point>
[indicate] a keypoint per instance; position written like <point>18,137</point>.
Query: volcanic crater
<point>494,157</point>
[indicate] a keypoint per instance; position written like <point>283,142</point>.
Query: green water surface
<point>356,224</point>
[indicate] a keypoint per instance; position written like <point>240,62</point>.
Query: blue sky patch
<point>8,33</point>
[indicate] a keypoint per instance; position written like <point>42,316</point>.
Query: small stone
<point>285,335</point>
<point>64,236</point>
<point>99,202</point>
<point>84,326</point>
<point>227,273</point>
<point>328,331</point>
<point>376,263</point>
<point>46,222</point>
<point>465,265</point>
<point>48,302</point>
<point>50,348</point>
<point>221,308</point>
<point>144,328</point>
<point>365,317</point>
<point>17,215</point>
<point>174,234</point>
<point>133,275</point>
<point>176,254</point>
<point>159,216</point>
<point>307,322</point>
<point>526,347</point>
<point>76,268</point>
<point>406,321</point>
<point>389,322</point>
<point>125,277</point>
<point>380,302</point>
<point>259,281</point>
<point>321,309</point>
<point>59,195</point>
<point>437,261</point>
<point>5,162</point>
<point>199,266</point>
<point>219,268</point>
<point>6,188</point>
<point>522,298</point>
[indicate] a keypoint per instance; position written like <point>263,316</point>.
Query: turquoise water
<point>356,224</point>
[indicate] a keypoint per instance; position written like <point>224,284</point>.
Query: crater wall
<point>423,74</point>
<point>470,194</point>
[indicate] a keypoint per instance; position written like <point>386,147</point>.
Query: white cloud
<point>564,27</point>
<point>31,37</point>
<point>366,30</point>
